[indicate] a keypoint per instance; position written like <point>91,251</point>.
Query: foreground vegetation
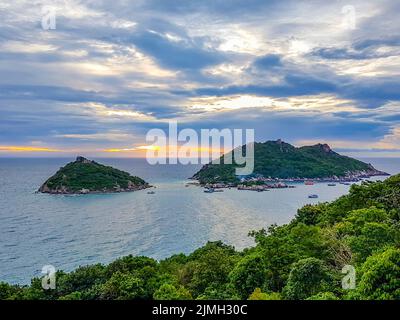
<point>300,260</point>
<point>278,159</point>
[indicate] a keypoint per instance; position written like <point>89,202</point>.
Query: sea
<point>68,231</point>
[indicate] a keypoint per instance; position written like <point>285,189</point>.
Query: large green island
<point>279,160</point>
<point>86,176</point>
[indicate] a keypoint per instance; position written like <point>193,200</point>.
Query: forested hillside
<point>278,159</point>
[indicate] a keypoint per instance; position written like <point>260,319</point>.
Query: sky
<point>306,72</point>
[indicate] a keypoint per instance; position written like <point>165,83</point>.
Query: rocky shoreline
<point>64,191</point>
<point>349,177</point>
<point>246,183</point>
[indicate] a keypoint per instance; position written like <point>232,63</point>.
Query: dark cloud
<point>345,54</point>
<point>294,85</point>
<point>380,42</point>
<point>366,50</point>
<point>372,93</point>
<point>185,54</point>
<point>230,8</point>
<point>268,61</point>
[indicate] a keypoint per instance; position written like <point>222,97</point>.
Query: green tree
<point>380,277</point>
<point>259,295</point>
<point>310,214</point>
<point>282,246</point>
<point>221,292</point>
<point>249,273</point>
<point>169,292</point>
<point>371,237</point>
<point>210,267</point>
<point>83,278</point>
<point>307,278</point>
<point>73,296</point>
<point>129,264</point>
<point>324,296</point>
<point>123,286</point>
<point>8,291</point>
<point>366,230</point>
<point>144,268</point>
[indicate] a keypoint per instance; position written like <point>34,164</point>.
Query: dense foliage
<point>92,176</point>
<point>300,260</point>
<point>278,159</point>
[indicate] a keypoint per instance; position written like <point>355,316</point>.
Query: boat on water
<point>331,184</point>
<point>209,190</point>
<point>313,196</point>
<point>309,183</point>
<point>150,192</point>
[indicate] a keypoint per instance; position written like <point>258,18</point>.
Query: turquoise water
<point>69,231</point>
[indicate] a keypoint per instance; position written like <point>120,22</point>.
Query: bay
<point>69,231</point>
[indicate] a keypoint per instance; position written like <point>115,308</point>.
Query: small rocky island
<point>85,176</point>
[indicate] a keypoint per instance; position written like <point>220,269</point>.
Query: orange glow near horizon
<point>155,148</point>
<point>27,149</point>
<point>132,151</point>
<point>119,150</point>
<point>165,149</point>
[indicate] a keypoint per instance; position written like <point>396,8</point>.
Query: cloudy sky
<point>303,71</point>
